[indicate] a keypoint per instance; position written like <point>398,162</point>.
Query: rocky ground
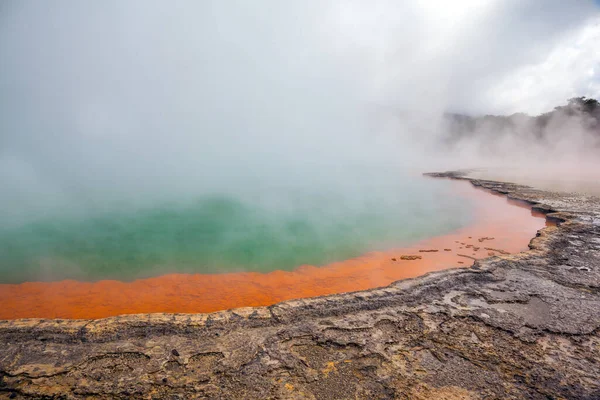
<point>513,326</point>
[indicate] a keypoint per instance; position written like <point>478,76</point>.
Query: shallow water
<point>264,229</point>
<point>499,226</point>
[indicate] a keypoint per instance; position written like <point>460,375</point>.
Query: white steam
<point>135,101</point>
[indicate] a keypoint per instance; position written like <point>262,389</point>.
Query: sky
<point>144,96</point>
<point>484,57</point>
<point>571,68</point>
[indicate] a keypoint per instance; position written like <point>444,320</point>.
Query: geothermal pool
<point>276,228</point>
<point>222,251</point>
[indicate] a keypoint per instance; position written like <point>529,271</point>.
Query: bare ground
<point>513,326</point>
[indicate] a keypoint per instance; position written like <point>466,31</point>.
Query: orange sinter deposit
<point>499,226</point>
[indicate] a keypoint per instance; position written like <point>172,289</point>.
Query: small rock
<point>175,353</point>
<point>447,249</point>
<point>393,259</point>
<point>410,258</point>
<point>428,251</point>
<point>496,250</point>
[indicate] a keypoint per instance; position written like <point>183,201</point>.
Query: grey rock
<point>513,326</point>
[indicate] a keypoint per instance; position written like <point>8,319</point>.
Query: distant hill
<point>580,115</point>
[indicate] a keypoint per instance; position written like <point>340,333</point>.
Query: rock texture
<point>513,326</point>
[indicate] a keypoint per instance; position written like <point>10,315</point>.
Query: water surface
<point>499,226</point>
<point>263,229</point>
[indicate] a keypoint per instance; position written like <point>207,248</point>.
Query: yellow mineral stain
<point>329,367</point>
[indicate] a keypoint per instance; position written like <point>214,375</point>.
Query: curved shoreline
<point>513,326</point>
<point>498,227</point>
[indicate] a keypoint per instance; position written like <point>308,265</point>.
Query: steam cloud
<point>141,101</point>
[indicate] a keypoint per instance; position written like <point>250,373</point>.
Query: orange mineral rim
<point>499,226</point>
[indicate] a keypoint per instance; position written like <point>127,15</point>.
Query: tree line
<point>580,113</point>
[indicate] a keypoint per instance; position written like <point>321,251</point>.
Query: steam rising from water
<point>128,105</point>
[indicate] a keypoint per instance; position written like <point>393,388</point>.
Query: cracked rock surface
<point>513,326</point>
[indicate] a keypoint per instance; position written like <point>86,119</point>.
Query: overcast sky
<point>474,55</point>
<point>140,93</point>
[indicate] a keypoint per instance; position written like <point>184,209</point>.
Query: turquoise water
<point>217,232</point>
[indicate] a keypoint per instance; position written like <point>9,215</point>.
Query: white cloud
<point>408,53</point>
<point>572,68</point>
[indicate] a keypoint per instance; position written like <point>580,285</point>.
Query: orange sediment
<point>505,226</point>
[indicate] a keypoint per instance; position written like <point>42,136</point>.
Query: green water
<point>222,233</point>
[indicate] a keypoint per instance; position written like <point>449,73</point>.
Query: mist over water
<point>280,229</point>
<point>139,138</point>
